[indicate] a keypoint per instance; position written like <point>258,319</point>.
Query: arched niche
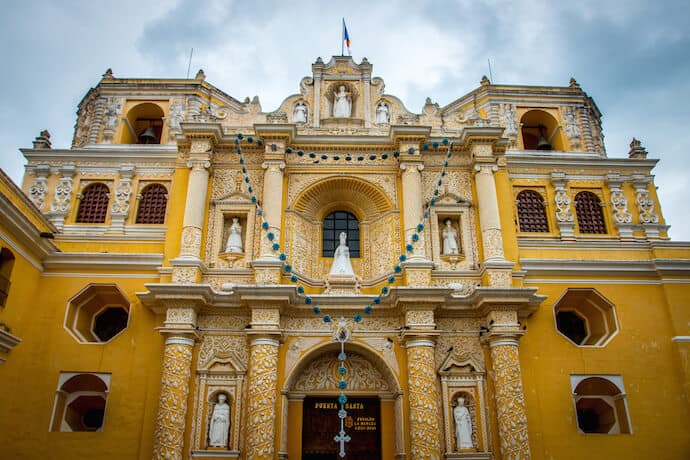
<point>374,210</point>
<point>538,125</point>
<point>138,120</point>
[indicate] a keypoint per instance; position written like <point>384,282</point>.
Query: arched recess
<point>143,124</point>
<point>315,374</point>
<point>541,131</point>
<point>373,208</point>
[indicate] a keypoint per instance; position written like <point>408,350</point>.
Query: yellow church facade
<point>197,278</point>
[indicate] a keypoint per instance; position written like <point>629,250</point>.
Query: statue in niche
<point>383,113</point>
<point>341,259</point>
<point>463,425</point>
<point>450,239</point>
<point>234,243</point>
<point>342,103</point>
<point>299,115</point>
<point>220,423</point>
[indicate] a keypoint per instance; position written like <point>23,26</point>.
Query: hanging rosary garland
<point>342,334</point>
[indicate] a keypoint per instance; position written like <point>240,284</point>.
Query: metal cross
<point>342,437</point>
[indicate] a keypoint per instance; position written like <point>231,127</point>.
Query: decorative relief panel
<point>381,253</point>
<point>646,207</point>
<point>620,207</point>
<point>297,348</point>
<point>297,183</point>
<point>191,241</point>
<point>386,348</point>
<point>233,322</point>
<point>183,315</point>
<point>313,323</point>
<point>493,243</point>
<point>63,195</point>
<point>322,375</point>
<point>419,318</point>
<point>564,211</point>
<point>123,192</point>
<point>463,345</point>
<point>37,192</point>
<point>460,286</point>
<point>455,182</point>
<point>184,275</point>
<point>230,181</point>
<point>223,345</point>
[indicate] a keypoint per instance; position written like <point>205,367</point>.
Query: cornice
<point>85,261</point>
<point>657,268</point>
<point>581,160</point>
<point>106,153</point>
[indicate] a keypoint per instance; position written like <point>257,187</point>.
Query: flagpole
<point>342,40</point>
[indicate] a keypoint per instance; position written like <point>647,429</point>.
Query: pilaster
<point>645,207</point>
<point>119,209</point>
<point>619,205</point>
<point>564,213</point>
<point>60,207</point>
<point>413,206</point>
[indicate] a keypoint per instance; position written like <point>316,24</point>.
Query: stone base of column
<point>418,272</point>
<point>267,271</point>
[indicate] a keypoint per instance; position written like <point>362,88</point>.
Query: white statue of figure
<point>341,259</point>
<point>382,113</point>
<point>299,115</point>
<point>342,104</point>
<point>220,423</point>
<point>234,243</point>
<point>450,239</point>
<point>463,426</point>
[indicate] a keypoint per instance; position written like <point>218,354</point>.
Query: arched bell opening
<point>143,124</point>
<point>541,131</point>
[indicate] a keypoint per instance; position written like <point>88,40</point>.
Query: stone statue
<point>341,259</point>
<point>382,113</point>
<point>450,239</point>
<point>299,115</point>
<point>234,243</point>
<point>342,103</point>
<point>220,423</point>
<point>463,426</point>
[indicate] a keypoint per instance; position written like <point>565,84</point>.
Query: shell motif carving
<point>322,375</point>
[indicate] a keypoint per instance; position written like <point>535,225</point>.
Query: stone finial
<point>574,83</point>
<point>200,75</point>
<point>485,81</point>
<point>636,150</point>
<point>319,60</point>
<point>43,140</point>
<point>365,60</point>
<point>108,75</point>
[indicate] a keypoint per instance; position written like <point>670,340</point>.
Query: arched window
<point>154,199</point>
<point>6,263</point>
<point>93,206</point>
<point>600,404</point>
<point>531,212</point>
<point>590,216</point>
<point>80,402</point>
<point>335,223</point>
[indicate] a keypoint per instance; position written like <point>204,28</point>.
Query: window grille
<point>531,212</point>
<point>590,216</point>
<point>93,206</point>
<point>333,225</point>
<point>154,200</point>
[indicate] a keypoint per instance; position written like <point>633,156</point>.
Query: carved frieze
<point>322,375</point>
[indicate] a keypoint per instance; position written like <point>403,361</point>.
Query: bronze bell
<point>148,136</point>
<point>543,144</point>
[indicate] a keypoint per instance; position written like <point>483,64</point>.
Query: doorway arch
<point>369,376</point>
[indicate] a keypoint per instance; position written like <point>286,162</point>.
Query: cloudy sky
<point>632,57</point>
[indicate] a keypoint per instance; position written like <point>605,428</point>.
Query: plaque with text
<point>320,424</point>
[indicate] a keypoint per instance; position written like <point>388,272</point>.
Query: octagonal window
<point>80,402</point>
<point>97,314</point>
<point>585,317</point>
<point>600,404</point>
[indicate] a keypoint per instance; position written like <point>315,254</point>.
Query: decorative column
<point>95,127</point>
<point>59,208</point>
<point>502,338</point>
<point>425,429</point>
<point>180,332</point>
<point>619,204</point>
<point>119,210</point>
<point>186,268</point>
<point>111,118</point>
<point>272,204</point>
<point>262,384</point>
<point>564,213</point>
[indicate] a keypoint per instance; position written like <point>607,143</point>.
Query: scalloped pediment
<point>460,364</point>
